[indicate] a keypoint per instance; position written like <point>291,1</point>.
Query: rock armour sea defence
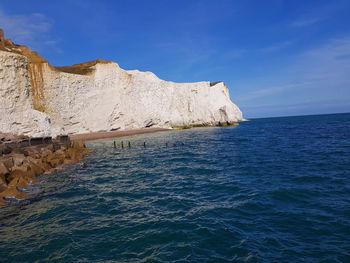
<point>22,159</point>
<point>37,99</point>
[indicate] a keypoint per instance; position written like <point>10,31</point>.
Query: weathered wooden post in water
<point>122,144</point>
<point>144,144</point>
<point>129,144</point>
<point>115,144</point>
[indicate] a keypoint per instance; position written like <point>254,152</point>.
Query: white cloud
<point>321,73</point>
<point>305,21</point>
<point>330,62</point>
<point>277,46</point>
<point>318,14</point>
<point>234,54</point>
<point>26,29</point>
<point>267,92</point>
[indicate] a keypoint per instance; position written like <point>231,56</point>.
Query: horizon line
<point>287,116</point>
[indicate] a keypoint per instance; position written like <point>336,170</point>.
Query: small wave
<point>222,195</point>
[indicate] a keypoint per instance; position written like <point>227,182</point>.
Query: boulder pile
<point>22,159</point>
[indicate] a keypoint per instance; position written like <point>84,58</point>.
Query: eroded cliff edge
<point>37,99</point>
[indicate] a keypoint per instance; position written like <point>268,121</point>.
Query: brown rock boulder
<point>37,169</point>
<point>19,168</point>
<point>4,172</point>
<point>22,181</point>
<point>11,192</point>
<point>74,154</point>
<point>8,137</point>
<point>32,151</point>
<point>54,160</point>
<point>4,149</point>
<point>18,159</point>
<point>69,161</point>
<point>3,183</point>
<point>20,171</point>
<point>37,165</point>
<point>60,153</point>
<point>8,162</point>
<point>45,152</point>
<point>3,169</point>
<point>78,144</point>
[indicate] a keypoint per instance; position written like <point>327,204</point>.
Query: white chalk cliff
<point>38,99</point>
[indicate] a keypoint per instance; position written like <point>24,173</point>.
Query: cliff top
<point>8,45</point>
<point>81,69</point>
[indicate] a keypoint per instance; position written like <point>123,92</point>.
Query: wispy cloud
<point>306,21</point>
<point>31,29</point>
<point>277,46</point>
<point>234,53</point>
<point>330,62</point>
<point>24,28</point>
<point>318,14</point>
<point>321,72</point>
<point>293,109</point>
<point>267,92</point>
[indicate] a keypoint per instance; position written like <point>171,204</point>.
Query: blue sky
<point>278,57</point>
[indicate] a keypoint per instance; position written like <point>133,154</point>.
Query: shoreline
<point>114,134</point>
<point>123,133</point>
<point>22,158</point>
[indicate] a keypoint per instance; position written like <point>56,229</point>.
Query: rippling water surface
<point>270,190</point>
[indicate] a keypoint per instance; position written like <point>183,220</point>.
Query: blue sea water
<point>269,190</point>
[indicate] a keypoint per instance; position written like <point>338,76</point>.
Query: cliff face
<point>17,113</point>
<point>38,99</point>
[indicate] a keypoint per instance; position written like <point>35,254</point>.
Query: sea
<point>268,190</point>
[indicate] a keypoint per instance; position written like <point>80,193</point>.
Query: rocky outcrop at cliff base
<point>22,159</point>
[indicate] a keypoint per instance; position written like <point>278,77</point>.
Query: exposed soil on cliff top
<point>82,68</point>
<point>34,58</point>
